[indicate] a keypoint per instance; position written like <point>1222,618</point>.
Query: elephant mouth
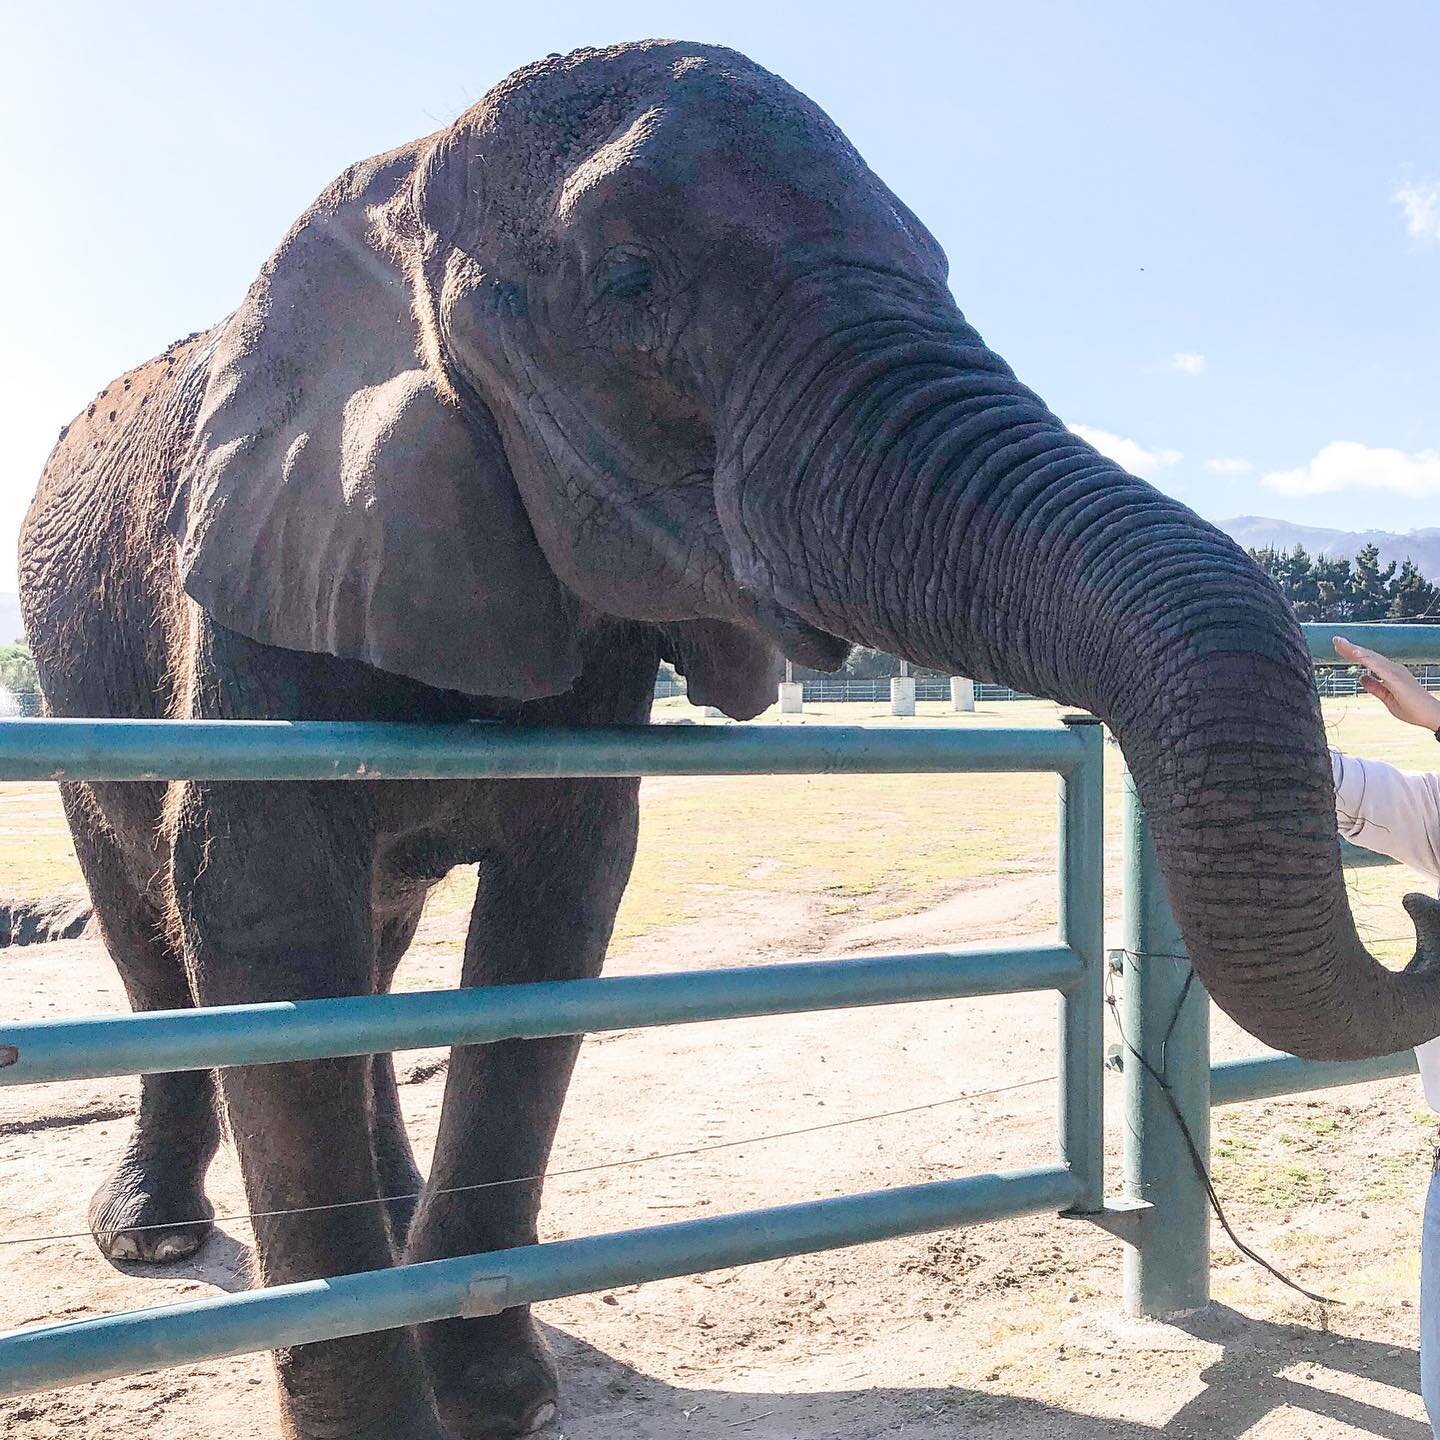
<point>798,640</point>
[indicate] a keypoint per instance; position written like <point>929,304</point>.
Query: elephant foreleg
<point>544,911</point>
<point>152,1205</point>
<point>272,887</point>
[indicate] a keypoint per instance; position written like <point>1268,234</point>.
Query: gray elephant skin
<point>636,359</point>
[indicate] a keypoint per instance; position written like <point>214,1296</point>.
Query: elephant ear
<point>337,499</point>
<point>724,665</point>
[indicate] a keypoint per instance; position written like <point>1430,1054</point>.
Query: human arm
<point>1395,812</point>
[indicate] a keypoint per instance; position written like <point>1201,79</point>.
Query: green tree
<point>1411,595</point>
<point>17,669</point>
<point>1297,582</point>
<point>1370,585</point>
<point>1332,588</point>
<point>1294,572</point>
<point>1268,559</point>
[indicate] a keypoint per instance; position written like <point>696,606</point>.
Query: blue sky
<point>1208,235</point>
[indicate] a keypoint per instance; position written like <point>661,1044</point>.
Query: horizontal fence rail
<point>43,1357</point>
<point>156,1041</point>
<point>838,690</point>
<point>1410,644</point>
<point>1262,1077</point>
<point>344,750</point>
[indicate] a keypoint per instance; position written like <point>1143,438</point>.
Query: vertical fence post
<point>1167,1267</point>
<point>1082,927</point>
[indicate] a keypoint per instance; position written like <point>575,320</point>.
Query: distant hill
<point>1255,532</point>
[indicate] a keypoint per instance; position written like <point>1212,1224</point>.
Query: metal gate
<point>51,1355</point>
<point>1162,1212</point>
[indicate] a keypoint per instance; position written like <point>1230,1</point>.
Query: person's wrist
<point>1429,717</point>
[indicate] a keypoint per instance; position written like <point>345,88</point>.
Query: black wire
<point>1197,1159</point>
<point>1174,1021</point>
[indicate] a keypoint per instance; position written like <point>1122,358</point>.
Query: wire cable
<point>252,1216</point>
<point>1197,1159</point>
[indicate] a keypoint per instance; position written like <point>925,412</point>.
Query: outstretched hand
<point>1393,685</point>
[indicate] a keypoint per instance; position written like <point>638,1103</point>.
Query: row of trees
<point>1358,589</point>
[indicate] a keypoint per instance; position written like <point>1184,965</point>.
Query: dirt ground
<point>1009,1330</point>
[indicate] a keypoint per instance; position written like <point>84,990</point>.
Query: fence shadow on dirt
<point>1254,1378</point>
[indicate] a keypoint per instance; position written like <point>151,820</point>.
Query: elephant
<point>636,360</point>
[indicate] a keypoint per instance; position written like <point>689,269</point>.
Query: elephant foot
<point>418,1423</point>
<point>140,1214</point>
<point>506,1386</point>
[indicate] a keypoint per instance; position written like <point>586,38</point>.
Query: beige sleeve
<point>1394,812</point>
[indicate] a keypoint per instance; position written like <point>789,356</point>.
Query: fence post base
<point>792,697</point>
<point>962,694</point>
<point>902,695</point>
<point>1166,1018</point>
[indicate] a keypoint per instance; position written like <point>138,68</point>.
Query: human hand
<point>1392,685</point>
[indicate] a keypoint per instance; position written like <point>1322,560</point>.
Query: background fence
<point>1331,680</point>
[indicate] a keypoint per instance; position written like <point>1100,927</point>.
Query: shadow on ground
<point>1254,1378</point>
<point>223,1262</point>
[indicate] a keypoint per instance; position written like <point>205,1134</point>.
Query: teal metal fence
<point>1162,1213</point>
<point>51,1355</point>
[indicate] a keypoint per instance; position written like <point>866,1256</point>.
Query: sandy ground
<point>1007,1331</point>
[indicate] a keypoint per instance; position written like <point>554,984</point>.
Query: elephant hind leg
<point>152,1205</point>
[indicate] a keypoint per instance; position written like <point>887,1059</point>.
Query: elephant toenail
<point>540,1417</point>
<point>124,1247</point>
<point>174,1247</point>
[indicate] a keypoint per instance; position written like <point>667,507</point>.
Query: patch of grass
<point>1279,1186</point>
<point>36,856</point>
<point>865,847</point>
<point>1397,1176</point>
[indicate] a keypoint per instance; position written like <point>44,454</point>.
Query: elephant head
<point>641,335</point>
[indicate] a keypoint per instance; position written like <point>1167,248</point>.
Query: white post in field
<point>962,693</point>
<point>792,693</point>
<point>902,691</point>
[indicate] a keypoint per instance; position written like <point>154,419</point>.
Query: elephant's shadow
<point>1253,1378</point>
<point>606,1398</point>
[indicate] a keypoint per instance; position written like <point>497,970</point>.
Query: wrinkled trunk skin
<point>946,515</point>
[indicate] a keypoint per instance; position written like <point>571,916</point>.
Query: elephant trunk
<point>892,482</point>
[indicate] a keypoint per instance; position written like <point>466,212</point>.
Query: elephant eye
<point>630,277</point>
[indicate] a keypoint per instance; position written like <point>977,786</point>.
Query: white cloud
<point>1228,465</point>
<point>1346,465</point>
<point>1419,201</point>
<point>1187,362</point>
<point>1129,453</point>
